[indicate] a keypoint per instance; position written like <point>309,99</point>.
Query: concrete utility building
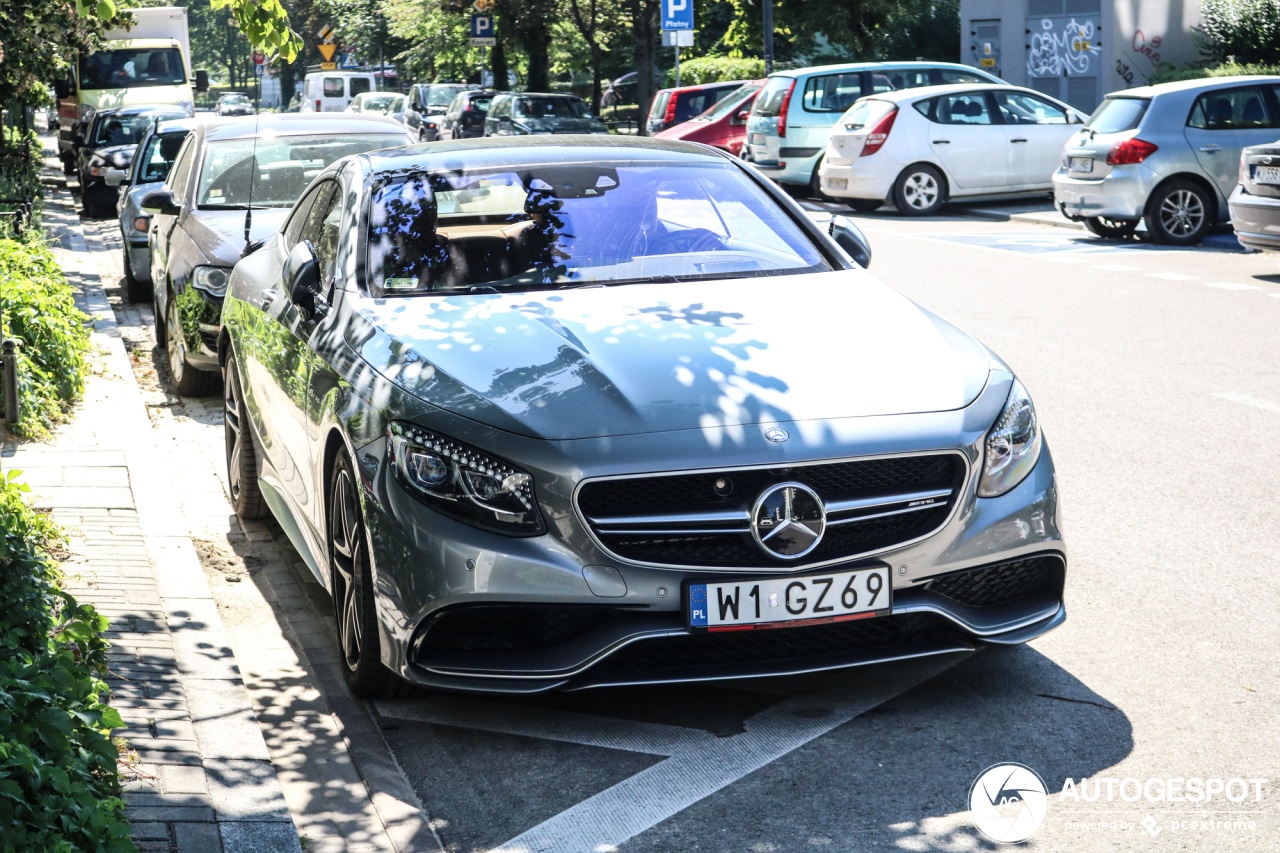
<point>1077,50</point>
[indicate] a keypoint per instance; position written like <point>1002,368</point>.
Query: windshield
<point>235,99</point>
<point>549,226</point>
<point>125,130</point>
<point>158,157</point>
<point>442,96</point>
<point>281,167</point>
<point>550,108</point>
<point>1116,115</point>
<point>732,103</point>
<point>126,68</point>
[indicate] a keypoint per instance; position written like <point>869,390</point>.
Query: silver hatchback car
<point>1169,154</point>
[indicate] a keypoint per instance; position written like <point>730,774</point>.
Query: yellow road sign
<point>328,66</point>
<point>484,7</point>
<point>327,51</point>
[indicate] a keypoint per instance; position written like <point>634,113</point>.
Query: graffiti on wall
<point>1069,50</point>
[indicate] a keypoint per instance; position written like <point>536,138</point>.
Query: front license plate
<point>1266,174</point>
<point>757,139</point>
<point>1080,164</point>
<point>838,183</point>
<point>744,605</point>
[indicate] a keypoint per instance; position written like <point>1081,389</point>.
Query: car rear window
<point>733,102</point>
<point>481,104</point>
<point>1117,115</point>
<point>690,104</point>
<point>832,93</point>
<point>866,112</point>
<point>769,102</point>
<point>660,104</point>
<point>333,87</point>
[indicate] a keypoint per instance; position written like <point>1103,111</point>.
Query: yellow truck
<point>148,64</point>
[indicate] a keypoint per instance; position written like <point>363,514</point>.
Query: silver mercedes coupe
<point>558,413</point>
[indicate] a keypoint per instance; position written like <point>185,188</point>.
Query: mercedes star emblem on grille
<point>788,521</point>
<point>777,434</point>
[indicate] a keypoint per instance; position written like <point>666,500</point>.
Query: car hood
<point>633,359</point>
<point>219,234</point>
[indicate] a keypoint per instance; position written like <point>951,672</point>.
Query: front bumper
<point>1256,220</point>
<point>1122,194</point>
<point>200,315</point>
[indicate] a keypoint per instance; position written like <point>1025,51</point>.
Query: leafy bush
<point>21,158</point>
<point>1167,72</point>
<point>59,783</point>
<point>1243,31</point>
<point>40,312</point>
<point>713,69</point>
<point>620,112</point>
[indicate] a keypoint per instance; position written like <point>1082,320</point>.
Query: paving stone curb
<point>205,782</point>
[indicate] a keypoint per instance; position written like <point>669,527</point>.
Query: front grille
<point>654,510</point>
<point>510,627</point>
<point>775,645</point>
<point>1001,583</point>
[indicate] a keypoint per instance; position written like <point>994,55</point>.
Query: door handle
<point>942,142</point>
<point>1211,147</point>
<point>268,297</point>
<point>1017,140</point>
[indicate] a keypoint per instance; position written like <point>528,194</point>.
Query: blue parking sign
<point>677,14</point>
<point>481,26</point>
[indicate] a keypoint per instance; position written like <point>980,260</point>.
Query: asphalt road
<point>1155,375</point>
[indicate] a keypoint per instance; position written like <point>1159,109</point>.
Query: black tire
<point>1111,229</point>
<point>157,322</point>
<point>187,380</point>
<point>815,184</point>
<point>242,453</point>
<point>918,191</point>
<point>135,291</point>
<point>359,648</point>
<point>863,205</point>
<point>1179,213</point>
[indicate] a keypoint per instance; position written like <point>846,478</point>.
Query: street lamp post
<point>768,37</point>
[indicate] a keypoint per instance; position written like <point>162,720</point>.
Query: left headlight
<point>1013,445</point>
<point>189,106</point>
<point>212,280</point>
<point>464,483</point>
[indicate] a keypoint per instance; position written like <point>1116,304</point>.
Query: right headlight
<point>464,483</point>
<point>1012,446</point>
<point>212,280</point>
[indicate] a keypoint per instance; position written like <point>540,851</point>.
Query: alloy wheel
<point>349,566</point>
<point>1182,213</point>
<point>176,344</point>
<point>232,430</point>
<point>920,190</point>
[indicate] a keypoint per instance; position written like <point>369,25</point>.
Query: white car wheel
<point>918,191</point>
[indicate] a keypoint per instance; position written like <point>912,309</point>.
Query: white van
<point>331,91</point>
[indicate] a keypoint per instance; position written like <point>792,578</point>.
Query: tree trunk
<point>536,37</point>
<point>498,62</point>
<point>644,16</point>
<point>597,59</point>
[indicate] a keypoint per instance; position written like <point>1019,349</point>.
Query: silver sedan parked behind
<point>574,411</point>
<point>1166,154</point>
<point>1255,204</point>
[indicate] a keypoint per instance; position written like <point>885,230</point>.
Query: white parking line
<point>1251,401</point>
<point>1231,285</point>
<point>699,764</point>
<point>1172,276</point>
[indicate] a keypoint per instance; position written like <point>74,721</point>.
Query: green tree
<point>1246,31</point>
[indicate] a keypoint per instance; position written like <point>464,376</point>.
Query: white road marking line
<point>569,726</point>
<point>608,819</point>
<point>1231,285</point>
<point>1172,276</point>
<point>1117,267</point>
<point>1251,401</point>
<point>1276,295</point>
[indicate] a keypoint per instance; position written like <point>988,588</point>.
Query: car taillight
<point>879,134</point>
<point>317,105</point>
<point>141,223</point>
<point>1129,151</point>
<point>670,117</point>
<point>782,111</point>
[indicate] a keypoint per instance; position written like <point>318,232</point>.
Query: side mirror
<point>202,80</point>
<point>63,88</point>
<point>116,177</point>
<point>504,119</point>
<point>302,276</point>
<point>740,118</point>
<point>851,239</point>
<point>161,202</point>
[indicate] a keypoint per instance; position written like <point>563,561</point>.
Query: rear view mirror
<point>202,80</point>
<point>302,276</point>
<point>115,177</point>
<point>740,118</point>
<point>851,239</point>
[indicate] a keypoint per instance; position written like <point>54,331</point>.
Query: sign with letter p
<point>677,14</point>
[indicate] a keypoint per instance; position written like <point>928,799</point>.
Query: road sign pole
<point>677,65</point>
<point>768,37</point>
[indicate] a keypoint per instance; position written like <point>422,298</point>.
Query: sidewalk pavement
<point>205,782</point>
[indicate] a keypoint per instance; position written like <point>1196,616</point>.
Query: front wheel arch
<point>1210,190</point>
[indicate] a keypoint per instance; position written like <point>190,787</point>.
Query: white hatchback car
<point>919,148</point>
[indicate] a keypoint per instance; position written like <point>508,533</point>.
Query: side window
<point>1017,108</point>
<point>297,219</point>
<point>832,93</point>
<point>333,87</point>
<point>359,85</point>
<point>181,174</point>
<point>950,75</point>
<point>322,228</point>
<point>1231,109</point>
<point>900,78</point>
<point>928,108</point>
<point>967,108</point>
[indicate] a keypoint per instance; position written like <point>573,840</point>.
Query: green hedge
<point>40,312</point>
<point>20,162</point>
<point>713,69</point>
<point>59,782</point>
<point>1168,73</point>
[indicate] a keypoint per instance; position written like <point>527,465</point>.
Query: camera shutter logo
<point>1008,802</point>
